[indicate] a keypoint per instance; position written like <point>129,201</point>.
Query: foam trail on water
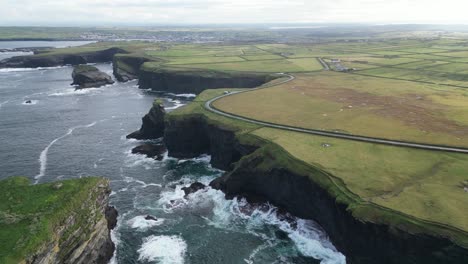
<point>4,103</point>
<point>43,156</point>
<point>30,69</point>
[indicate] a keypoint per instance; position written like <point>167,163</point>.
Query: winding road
<point>209,106</point>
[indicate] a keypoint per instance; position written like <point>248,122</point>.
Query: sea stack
<point>153,123</point>
<point>86,76</point>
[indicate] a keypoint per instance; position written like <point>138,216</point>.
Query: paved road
<point>324,64</point>
<point>209,106</point>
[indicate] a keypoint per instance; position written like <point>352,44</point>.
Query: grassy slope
<point>29,214</point>
<point>418,191</point>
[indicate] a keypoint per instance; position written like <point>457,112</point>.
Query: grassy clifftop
<point>32,215</point>
<point>418,191</point>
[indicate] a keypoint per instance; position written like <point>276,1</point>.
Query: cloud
<point>151,12</point>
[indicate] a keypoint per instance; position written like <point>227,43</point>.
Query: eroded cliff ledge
<point>61,222</point>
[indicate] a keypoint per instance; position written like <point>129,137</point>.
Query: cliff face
<point>83,237</point>
<point>261,173</point>
<point>190,82</point>
<point>60,222</point>
<point>127,67</point>
<point>191,137</point>
<point>52,60</point>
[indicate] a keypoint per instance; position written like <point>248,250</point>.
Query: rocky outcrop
<point>51,59</point>
<point>127,67</point>
<point>84,236</point>
<point>175,81</point>
<point>155,151</point>
<point>266,171</point>
<point>153,123</point>
<point>193,188</point>
<point>86,76</point>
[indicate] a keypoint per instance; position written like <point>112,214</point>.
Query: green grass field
<point>361,105</point>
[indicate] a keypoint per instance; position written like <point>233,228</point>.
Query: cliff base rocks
<point>155,151</point>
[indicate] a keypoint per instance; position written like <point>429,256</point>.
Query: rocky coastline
<point>261,171</point>
<point>127,67</point>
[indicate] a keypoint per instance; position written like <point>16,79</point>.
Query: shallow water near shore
<point>62,133</point>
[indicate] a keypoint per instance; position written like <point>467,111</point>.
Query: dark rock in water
<point>195,187</point>
<point>151,150</point>
<point>281,235</point>
<point>28,102</point>
<point>150,217</point>
<point>86,76</point>
<point>111,217</point>
<point>153,124</point>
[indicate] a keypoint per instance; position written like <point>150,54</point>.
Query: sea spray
<point>163,249</point>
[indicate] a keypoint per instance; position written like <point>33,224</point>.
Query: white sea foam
<point>141,224</point>
<point>136,160</point>
<point>185,95</point>
<point>204,158</point>
<point>73,91</point>
<point>177,104</point>
<point>30,69</point>
<point>163,249</point>
<point>43,156</point>
<point>237,214</point>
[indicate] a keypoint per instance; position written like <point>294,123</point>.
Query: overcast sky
<point>153,12</point>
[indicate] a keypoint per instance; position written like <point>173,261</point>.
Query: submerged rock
<point>86,76</point>
<point>150,218</point>
<point>151,150</point>
<point>195,187</point>
<point>153,123</point>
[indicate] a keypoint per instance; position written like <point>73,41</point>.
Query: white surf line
<point>43,156</point>
<point>4,103</point>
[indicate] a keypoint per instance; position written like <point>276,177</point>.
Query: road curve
<point>209,106</point>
